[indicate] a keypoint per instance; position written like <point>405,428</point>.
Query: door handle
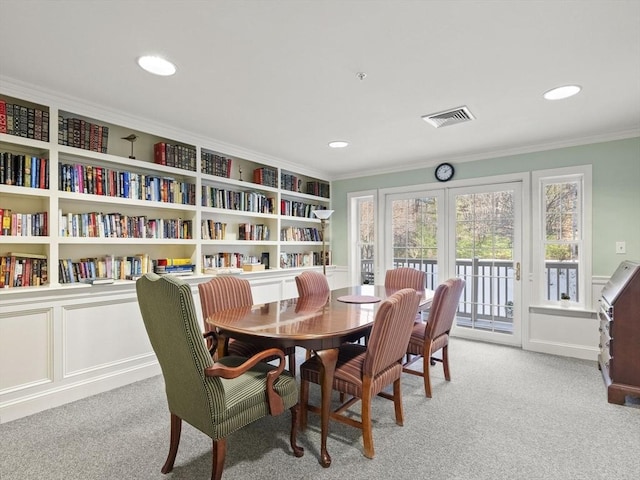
<point>517,270</point>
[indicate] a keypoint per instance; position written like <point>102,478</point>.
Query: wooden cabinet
<point>619,359</point>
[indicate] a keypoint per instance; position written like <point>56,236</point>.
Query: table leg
<point>328,359</point>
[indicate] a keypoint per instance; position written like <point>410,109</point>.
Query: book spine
<point>3,116</point>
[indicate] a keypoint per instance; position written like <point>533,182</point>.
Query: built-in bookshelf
<point>83,198</point>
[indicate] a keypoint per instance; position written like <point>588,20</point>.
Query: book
<point>26,255</point>
<point>3,116</point>
<point>98,281</point>
<point>6,222</point>
<point>173,261</point>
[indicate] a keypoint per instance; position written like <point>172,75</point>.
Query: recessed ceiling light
<point>559,93</point>
<point>157,65</point>
<point>338,144</point>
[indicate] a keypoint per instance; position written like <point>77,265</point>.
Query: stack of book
<point>173,266</point>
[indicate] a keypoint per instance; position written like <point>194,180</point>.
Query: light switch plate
<point>621,247</point>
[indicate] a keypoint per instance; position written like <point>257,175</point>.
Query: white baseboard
<point>60,395</point>
<point>563,349</point>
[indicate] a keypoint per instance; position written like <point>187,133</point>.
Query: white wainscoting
<point>62,344</point>
<point>26,349</point>
<point>567,332</point>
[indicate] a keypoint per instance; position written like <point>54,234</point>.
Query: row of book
<point>248,231</point>
<point>95,180</point>
<point>224,260</point>
<point>306,259</point>
<point>109,267</point>
<point>298,209</point>
<point>24,170</point>
<point>23,224</point>
<point>178,156</point>
<point>23,270</point>
<point>319,189</point>
<point>290,182</point>
<point>212,230</point>
<point>299,234</point>
<point>117,225</point>
<point>23,121</point>
<point>266,176</point>
<point>215,164</point>
<point>254,202</point>
<point>80,133</point>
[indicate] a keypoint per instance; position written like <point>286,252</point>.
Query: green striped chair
<point>216,398</point>
<point>362,372</point>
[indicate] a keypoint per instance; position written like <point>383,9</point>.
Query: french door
<point>485,246</point>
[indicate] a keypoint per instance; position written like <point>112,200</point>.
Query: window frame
<point>540,178</point>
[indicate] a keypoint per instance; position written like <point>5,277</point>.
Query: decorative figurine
<point>240,171</point>
<point>131,138</point>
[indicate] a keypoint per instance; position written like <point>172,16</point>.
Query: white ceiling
<point>279,77</point>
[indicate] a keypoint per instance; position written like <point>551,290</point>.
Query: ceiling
<point>281,77</point>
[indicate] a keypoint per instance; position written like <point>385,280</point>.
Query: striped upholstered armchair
<point>312,283</point>
<point>404,277</point>
<point>428,338</point>
<point>222,293</point>
<point>362,372</point>
<point>216,398</point>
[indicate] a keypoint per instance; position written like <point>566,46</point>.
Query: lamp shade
<point>323,214</point>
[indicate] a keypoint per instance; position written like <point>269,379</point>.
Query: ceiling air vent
<point>449,117</point>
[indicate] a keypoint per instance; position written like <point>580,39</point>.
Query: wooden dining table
<point>318,323</point>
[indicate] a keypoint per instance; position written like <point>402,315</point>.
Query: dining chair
<point>312,283</point>
<point>216,398</point>
<point>404,277</point>
<point>226,292</point>
<point>432,336</point>
<point>362,372</point>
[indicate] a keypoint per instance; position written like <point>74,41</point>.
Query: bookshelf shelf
<point>77,153</point>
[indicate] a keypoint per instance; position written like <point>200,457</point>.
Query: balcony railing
<point>487,300</point>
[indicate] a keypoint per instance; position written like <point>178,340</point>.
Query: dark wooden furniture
<point>321,324</point>
<point>619,359</point>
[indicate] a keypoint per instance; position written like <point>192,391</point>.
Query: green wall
<point>616,193</point>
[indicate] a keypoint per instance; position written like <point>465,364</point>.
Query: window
<point>362,235</point>
<point>414,234</point>
<point>562,235</point>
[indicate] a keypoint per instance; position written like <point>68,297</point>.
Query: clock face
<point>444,172</point>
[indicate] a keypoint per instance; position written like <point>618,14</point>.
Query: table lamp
<point>323,215</point>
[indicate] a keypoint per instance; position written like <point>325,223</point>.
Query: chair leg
<point>297,450</point>
<point>397,402</point>
<point>292,363</point>
<point>219,453</point>
<point>304,401</point>
<point>176,429</point>
<point>426,367</point>
<point>367,433</point>
<point>445,363</point>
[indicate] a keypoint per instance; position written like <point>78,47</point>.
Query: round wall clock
<point>444,172</point>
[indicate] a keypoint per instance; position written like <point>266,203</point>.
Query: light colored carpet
<point>506,414</point>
